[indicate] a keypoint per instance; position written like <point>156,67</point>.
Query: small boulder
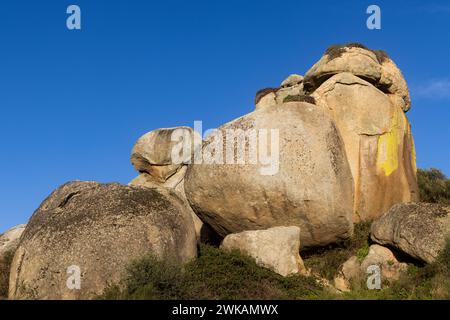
<point>10,239</point>
<point>418,229</point>
<point>275,248</point>
<point>266,98</point>
<point>355,271</point>
<point>292,80</point>
<point>156,152</point>
<point>391,268</point>
<point>99,229</point>
<point>354,59</point>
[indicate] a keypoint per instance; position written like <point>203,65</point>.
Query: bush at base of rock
<point>215,275</point>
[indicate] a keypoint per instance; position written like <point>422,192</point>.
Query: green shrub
<point>214,275</point>
<point>300,98</point>
<point>434,186</point>
<point>326,261</point>
<point>5,265</point>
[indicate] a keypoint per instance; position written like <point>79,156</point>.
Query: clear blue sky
<point>74,102</point>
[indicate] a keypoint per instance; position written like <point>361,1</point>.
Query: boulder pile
<point>341,152</point>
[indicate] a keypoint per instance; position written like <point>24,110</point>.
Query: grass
<point>5,264</point>
<point>218,275</point>
<point>214,275</point>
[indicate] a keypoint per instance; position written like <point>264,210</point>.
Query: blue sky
<point>74,102</point>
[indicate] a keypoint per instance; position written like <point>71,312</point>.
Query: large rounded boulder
<point>420,230</point>
<point>301,176</point>
<point>94,231</point>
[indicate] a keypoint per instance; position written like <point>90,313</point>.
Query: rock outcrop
<point>275,248</point>
<point>291,86</point>
<point>418,229</point>
<point>353,271</point>
<point>159,154</point>
<point>310,186</point>
<point>152,157</point>
<point>366,95</point>
<point>10,239</point>
<point>378,142</point>
<point>374,66</point>
<point>100,229</point>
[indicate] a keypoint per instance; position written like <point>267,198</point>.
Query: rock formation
<point>275,248</point>
<point>354,271</point>
<point>100,229</point>
<point>366,95</point>
<point>418,229</point>
<point>312,188</point>
<point>317,154</point>
<point>10,239</point>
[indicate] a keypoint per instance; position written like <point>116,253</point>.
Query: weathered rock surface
<point>418,229</point>
<point>100,228</point>
<point>275,248</point>
<point>10,239</point>
<point>203,232</point>
<point>373,66</point>
<point>291,86</point>
<point>378,143</point>
<point>355,271</point>
<point>266,98</point>
<point>391,268</point>
<point>153,152</point>
<point>393,82</point>
<point>312,188</point>
<point>358,61</point>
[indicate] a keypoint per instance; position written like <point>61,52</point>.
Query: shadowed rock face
<point>313,188</point>
<point>378,143</point>
<point>418,229</point>
<point>101,228</point>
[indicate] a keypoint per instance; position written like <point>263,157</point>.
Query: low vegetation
<point>300,98</point>
<point>421,282</point>
<point>230,275</point>
<point>434,186</point>
<point>214,275</point>
<point>326,261</point>
<point>335,51</point>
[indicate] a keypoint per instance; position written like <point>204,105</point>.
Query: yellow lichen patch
<point>413,150</point>
<point>389,143</point>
